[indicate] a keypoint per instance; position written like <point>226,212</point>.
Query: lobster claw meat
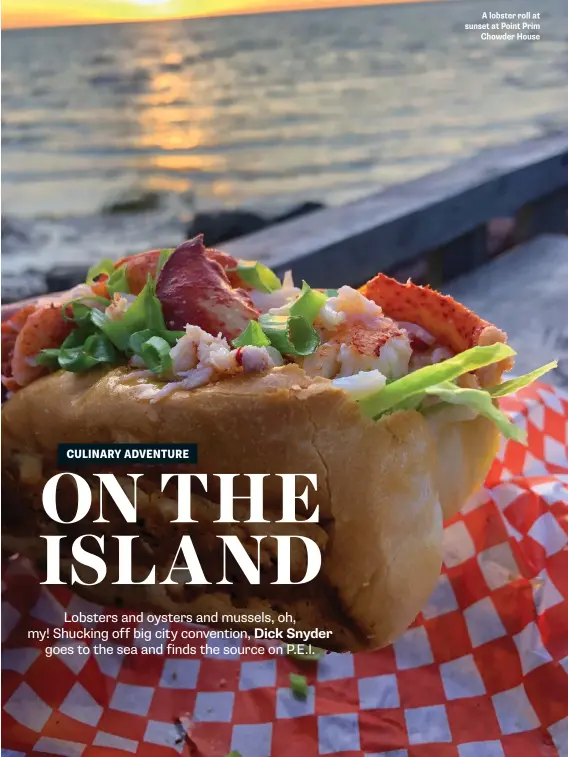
<point>195,289</point>
<point>451,323</point>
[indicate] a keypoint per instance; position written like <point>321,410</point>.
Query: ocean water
<point>258,111</point>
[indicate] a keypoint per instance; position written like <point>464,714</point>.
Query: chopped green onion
<point>331,293</point>
<point>49,358</point>
<point>100,348</point>
<point>290,335</point>
<point>253,336</point>
<point>96,349</point>
<point>146,311</point>
<point>257,276</point>
<point>315,653</point>
<point>118,281</point>
<point>299,686</point>
<point>417,382</point>
<point>80,311</point>
<point>309,303</point>
<point>105,266</point>
<point>156,354</point>
<point>80,314</point>
<point>172,337</point>
<point>75,360</point>
<point>78,337</point>
<point>513,385</point>
<point>116,331</point>
<point>139,339</point>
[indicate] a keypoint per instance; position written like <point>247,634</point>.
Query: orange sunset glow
<point>27,13</point>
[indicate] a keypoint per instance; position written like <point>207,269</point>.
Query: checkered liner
<point>482,672</point>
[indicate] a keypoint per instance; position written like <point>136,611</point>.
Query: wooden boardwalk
<point>525,293</point>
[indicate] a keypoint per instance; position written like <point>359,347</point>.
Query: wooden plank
<point>525,293</point>
<point>352,242</point>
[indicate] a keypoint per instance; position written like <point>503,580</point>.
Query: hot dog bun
<point>380,520</point>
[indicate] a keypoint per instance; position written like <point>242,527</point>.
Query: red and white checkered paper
<point>482,672</point>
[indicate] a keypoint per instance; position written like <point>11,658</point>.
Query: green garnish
<point>477,400</point>
<point>290,335</point>
<point>299,686</point>
<point>117,282</point>
<point>116,331</point>
<point>437,380</point>
<point>100,339</point>
<point>156,354</point>
<point>331,293</point>
<point>315,653</point>
<point>513,385</point>
<point>96,349</point>
<point>234,754</point>
<point>309,303</point>
<point>105,266</point>
<point>145,311</point>
<point>80,312</point>
<point>253,336</point>
<point>49,358</point>
<point>417,382</point>
<point>257,276</point>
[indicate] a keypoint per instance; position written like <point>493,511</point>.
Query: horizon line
<point>331,5</point>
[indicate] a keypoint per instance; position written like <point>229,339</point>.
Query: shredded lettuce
<point>257,276</point>
<point>439,381</point>
<point>513,385</point>
<point>416,383</point>
<point>481,402</point>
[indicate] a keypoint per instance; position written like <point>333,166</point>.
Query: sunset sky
<point>19,13</point>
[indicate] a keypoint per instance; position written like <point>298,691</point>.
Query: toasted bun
<point>380,521</point>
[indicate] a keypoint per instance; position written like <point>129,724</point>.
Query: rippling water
<point>259,111</point>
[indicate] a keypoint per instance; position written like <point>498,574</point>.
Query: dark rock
<point>223,225</point>
<point>298,210</point>
<point>64,277</point>
<point>220,226</point>
<point>27,284</point>
<point>133,202</point>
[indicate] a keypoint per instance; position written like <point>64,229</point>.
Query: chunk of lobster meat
<point>359,347</point>
<point>138,268</point>
<point>194,289</point>
<point>10,330</point>
<point>452,324</point>
<point>44,328</point>
<point>227,261</point>
<point>144,264</point>
<point>385,347</point>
